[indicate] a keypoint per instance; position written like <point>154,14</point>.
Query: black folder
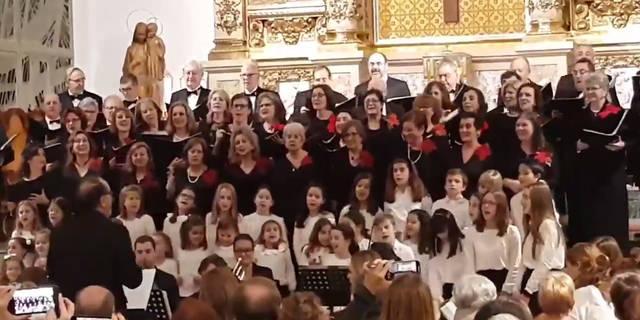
<point>405,102</point>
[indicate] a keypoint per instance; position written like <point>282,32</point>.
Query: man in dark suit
<point>194,94</point>
<point>75,90</point>
<point>522,67</point>
<point>321,75</point>
<point>566,85</point>
<point>89,249</point>
<point>243,247</point>
<point>49,129</point>
<point>130,90</point>
<point>378,68</point>
<point>448,74</point>
<point>250,76</point>
<point>145,249</point>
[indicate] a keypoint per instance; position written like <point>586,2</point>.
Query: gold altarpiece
<point>289,37</point>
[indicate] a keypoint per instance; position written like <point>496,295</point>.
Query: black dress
<point>378,143</point>
<point>25,188</point>
<point>501,136</point>
<point>322,141</point>
<point>205,186</point>
<point>247,183</point>
<point>289,187</point>
<point>479,162</point>
<point>271,143</point>
<point>343,173</point>
<point>601,195</point>
<point>431,160</point>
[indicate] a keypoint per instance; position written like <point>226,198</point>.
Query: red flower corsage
<point>95,165</point>
<point>440,130</point>
<point>278,127</point>
<point>483,152</point>
<point>393,120</point>
<point>263,165</point>
<point>608,110</point>
<point>331,127</point>
<point>428,146</point>
<point>307,161</point>
<point>543,158</point>
<point>210,177</point>
<point>485,127</point>
<point>366,159</point>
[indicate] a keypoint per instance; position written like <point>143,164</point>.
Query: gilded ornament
<point>618,12</point>
<point>271,78</point>
<point>228,16</point>
<point>545,5</point>
<point>257,34</point>
<point>617,61</point>
<point>341,10</point>
<point>290,29</point>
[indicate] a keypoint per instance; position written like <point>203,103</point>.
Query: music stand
<point>331,284</point>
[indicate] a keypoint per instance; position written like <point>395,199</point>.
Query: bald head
<point>583,51</point>
<point>522,67</point>
<point>95,301</point>
<point>256,298</point>
<point>249,75</point>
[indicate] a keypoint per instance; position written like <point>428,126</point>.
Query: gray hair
<point>449,62</point>
<point>598,79</point>
<point>293,128</point>
<point>72,70</point>
<point>88,102</point>
<point>473,291</point>
<point>195,64</point>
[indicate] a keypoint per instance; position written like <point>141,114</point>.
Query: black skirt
<point>447,291</point>
<point>534,305</point>
<point>498,277</point>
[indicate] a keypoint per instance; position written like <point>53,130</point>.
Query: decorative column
<point>543,14</point>
<point>230,30</point>
<point>345,21</point>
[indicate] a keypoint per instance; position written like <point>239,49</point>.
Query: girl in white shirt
<point>361,200</point>
<point>164,254</point>
<point>543,248</point>
<point>319,243</point>
<point>185,205</point>
<point>43,242</point>
<point>474,206</point>
<point>589,268</point>
<point>193,249</point>
<point>252,224</point>
<point>226,232</point>
<point>343,245</point>
<point>225,204</point>
<point>272,251</point>
<point>357,223</point>
<point>28,222</point>
<point>529,172</point>
<point>307,219</point>
<point>384,230</point>
<point>132,213</point>
<point>492,246</point>
<point>417,238</point>
<point>404,192</point>
<point>447,262</point>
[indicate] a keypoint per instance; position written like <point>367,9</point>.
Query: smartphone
<point>400,267</point>
<point>34,301</point>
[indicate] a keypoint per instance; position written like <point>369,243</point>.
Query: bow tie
<point>55,121</point>
<point>74,97</point>
<point>194,92</point>
<point>252,94</point>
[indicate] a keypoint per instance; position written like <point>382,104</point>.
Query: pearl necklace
<point>409,155</point>
<point>196,176</point>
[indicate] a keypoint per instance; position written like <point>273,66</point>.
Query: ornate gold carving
<point>290,29</point>
<point>341,10</point>
<point>402,19</point>
<point>544,5</point>
<point>257,34</point>
<point>617,61</point>
<point>321,28</point>
<point>228,17</point>
<point>617,11</point>
<point>271,78</point>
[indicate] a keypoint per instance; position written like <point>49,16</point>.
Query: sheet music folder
<point>331,284</point>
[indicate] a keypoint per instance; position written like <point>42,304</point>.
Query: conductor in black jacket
<point>194,94</point>
<point>75,90</point>
<point>89,249</point>
<point>378,68</point>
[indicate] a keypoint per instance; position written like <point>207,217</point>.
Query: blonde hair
<point>37,224</point>
<point>541,208</point>
<point>123,197</point>
<point>249,135</point>
<point>217,288</point>
<point>408,298</point>
<point>192,127</point>
<point>593,265</point>
<point>492,179</point>
<point>556,294</point>
<point>215,210</point>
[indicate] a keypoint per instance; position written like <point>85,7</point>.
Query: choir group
<point>436,178</point>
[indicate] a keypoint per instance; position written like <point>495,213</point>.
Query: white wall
<point>103,30</point>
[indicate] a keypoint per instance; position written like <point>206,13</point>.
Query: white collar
<point>252,91</point>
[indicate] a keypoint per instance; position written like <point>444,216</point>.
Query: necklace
<point>196,177</point>
<point>409,155</point>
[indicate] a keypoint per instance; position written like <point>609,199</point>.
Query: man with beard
<point>378,68</point>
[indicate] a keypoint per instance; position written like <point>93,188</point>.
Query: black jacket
<point>364,306</point>
<point>260,271</point>
<point>89,249</point>
<point>201,110</point>
<point>167,282</point>
<point>395,88</point>
<point>67,101</point>
<point>302,97</point>
<point>256,93</point>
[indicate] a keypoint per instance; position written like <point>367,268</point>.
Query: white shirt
<point>423,258</point>
<point>444,270</point>
<point>368,218</point>
<point>27,235</point>
<point>279,261</point>
<point>51,125</point>
<point>188,263</point>
<point>211,229</point>
<point>173,230</point>
<point>549,255</point>
<point>331,260</point>
<point>301,235</point>
<point>139,226</point>
<point>458,207</point>
<point>404,203</point>
<point>364,244</point>
<point>403,251</point>
<point>252,225</point>
<point>226,253</point>
<point>591,305</point>
<point>488,251</point>
<point>169,266</point>
<point>517,213</point>
<point>312,258</point>
<point>192,99</point>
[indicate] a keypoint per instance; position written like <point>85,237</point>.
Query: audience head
<point>193,72</point>
<point>555,294</point>
<point>356,267</point>
<point>193,309</point>
<point>145,250</point>
<point>610,247</point>
<point>75,80</point>
<point>587,265</point>
<point>257,298</point>
<point>378,65</point>
<point>303,306</point>
<point>448,74</point>
<point>471,292</point>
<point>408,297</point>
<point>504,306</point>
<point>625,295</point>
<point>217,287</point>
<point>95,302</point>
<point>211,262</point>
<point>250,76</point>
<point>243,247</point>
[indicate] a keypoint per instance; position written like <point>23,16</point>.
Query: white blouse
<point>444,270</point>
<point>279,261</point>
<point>368,218</point>
<point>591,305</point>
<point>403,251</point>
<point>226,253</point>
<point>252,225</point>
<point>27,235</point>
<point>188,263</point>
<point>140,226</point>
<point>312,258</point>
<point>488,251</point>
<point>211,228</point>
<point>301,235</point>
<point>364,244</point>
<point>423,258</point>
<point>404,203</point>
<point>169,266</point>
<point>517,213</point>
<point>173,230</point>
<point>331,260</point>
<point>549,255</point>
<point>458,207</point>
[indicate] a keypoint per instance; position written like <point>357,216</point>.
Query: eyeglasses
<point>239,106</point>
<point>78,80</point>
<point>243,250</point>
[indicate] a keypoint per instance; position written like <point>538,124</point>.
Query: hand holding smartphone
<point>34,301</point>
